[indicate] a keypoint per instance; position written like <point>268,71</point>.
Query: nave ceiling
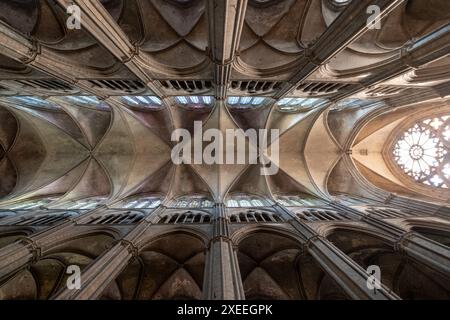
<point>87,177</point>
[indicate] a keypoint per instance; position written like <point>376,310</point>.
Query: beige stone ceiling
<point>166,48</point>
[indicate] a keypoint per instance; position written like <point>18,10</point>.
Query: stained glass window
<point>422,152</point>
<point>194,204</point>
<point>30,205</point>
<point>33,102</point>
<point>347,104</point>
<point>182,204</point>
<point>195,102</point>
<point>245,203</point>
<point>83,100</point>
<point>85,204</point>
<point>298,104</point>
<point>245,102</point>
<point>292,201</point>
<point>141,203</point>
<point>257,203</point>
<point>232,204</point>
<point>150,102</point>
<point>207,204</point>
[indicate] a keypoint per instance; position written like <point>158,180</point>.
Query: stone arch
<point>10,236</point>
<point>273,266</point>
<point>434,230</point>
<point>46,276</point>
<point>405,277</point>
<point>169,266</point>
<point>437,234</point>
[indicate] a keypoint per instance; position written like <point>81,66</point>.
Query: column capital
<point>399,244</point>
<point>389,198</point>
<point>348,274</point>
<point>35,249</point>
<point>134,52</point>
<point>132,248</point>
<point>33,52</point>
<point>221,238</point>
<point>309,55</point>
<point>311,240</point>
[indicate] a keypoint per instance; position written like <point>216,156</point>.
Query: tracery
<point>422,151</point>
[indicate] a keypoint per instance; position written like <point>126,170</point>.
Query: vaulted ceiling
<point>90,112</point>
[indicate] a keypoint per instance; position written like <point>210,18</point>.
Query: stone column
<point>419,248</point>
<point>346,28</point>
<point>30,53</point>
<point>441,210</point>
<point>108,267</point>
<point>99,275</point>
<point>225,23</point>
<point>19,254</point>
<point>100,25</point>
<point>222,279</point>
<point>16,256</point>
<point>349,275</point>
